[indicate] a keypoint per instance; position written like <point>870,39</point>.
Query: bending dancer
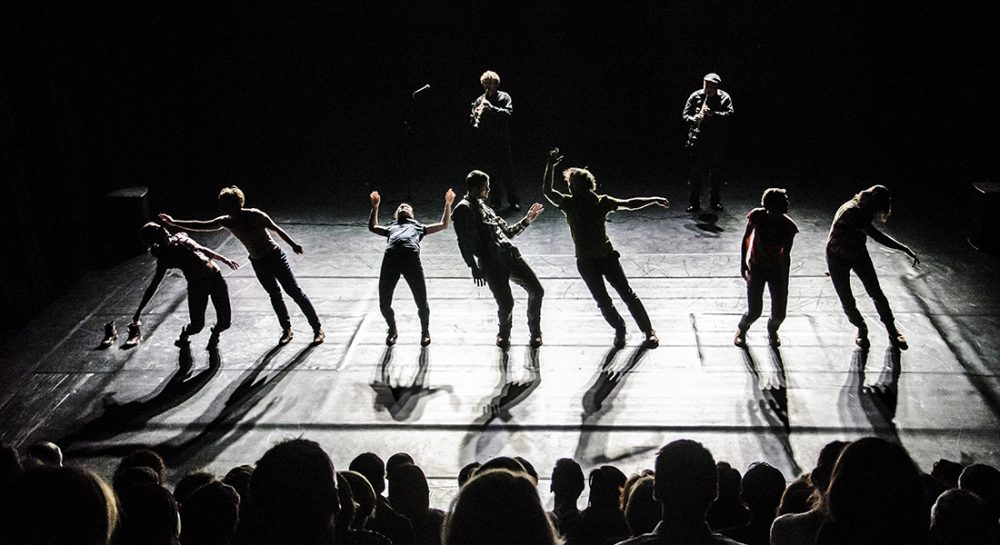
<point>484,239</point>
<point>846,250</point>
<point>768,239</point>
<point>596,259</point>
<point>251,226</point>
<point>707,113</point>
<point>204,281</point>
<point>402,257</point>
<point>490,118</point>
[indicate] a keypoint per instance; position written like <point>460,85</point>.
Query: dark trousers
<point>776,281</point>
<point>493,157</point>
<point>272,270</point>
<point>703,160</point>
<point>407,264</point>
<point>840,272</point>
<point>498,278</point>
<point>199,291</point>
<point>594,272</point>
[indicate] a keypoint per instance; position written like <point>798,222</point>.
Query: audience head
<point>819,477</point>
<point>502,462</point>
<point>498,507</point>
<point>397,460</point>
<point>239,478</point>
<point>798,496</point>
<point>763,486</point>
<point>959,517</point>
<point>730,483</point>
<point>947,472</point>
<point>46,452</point>
<point>209,515</point>
<point>347,506</point>
<point>528,468</point>
<point>467,472</point>
<point>149,515</point>
<point>627,487</point>
<point>606,484</point>
<point>49,505</point>
<point>231,199</point>
<point>409,493</point>
<point>145,458</point>
<point>875,493</point>
<point>687,481</point>
<point>567,479</point>
<point>191,482</point>
<point>984,481</point>
<point>373,468</point>
<point>128,477</point>
<point>363,495</point>
<point>642,511</point>
<point>775,200</point>
<point>292,496</point>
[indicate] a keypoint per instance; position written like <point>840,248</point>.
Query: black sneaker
<point>213,340</point>
<point>861,339</point>
<point>619,341</point>
<point>503,341</point>
<point>741,339</point>
<point>110,335</point>
<point>286,337</point>
<point>425,338</point>
<point>535,341</point>
<point>773,339</point>
<point>135,336</point>
<point>652,341</point>
<point>898,340</point>
<point>390,337</point>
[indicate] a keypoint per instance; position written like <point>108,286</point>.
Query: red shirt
<point>770,239</point>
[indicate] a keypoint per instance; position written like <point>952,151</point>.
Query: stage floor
<point>462,399</point>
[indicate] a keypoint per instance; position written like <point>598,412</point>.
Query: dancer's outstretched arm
<point>150,290</point>
<point>194,225</point>
<point>642,202</point>
<point>296,247</point>
<point>888,241</point>
<point>216,256</point>
<point>449,197</point>
<point>373,225</point>
<point>548,179</point>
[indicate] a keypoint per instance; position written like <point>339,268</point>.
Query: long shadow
<point>505,396</point>
<point>872,406</point>
<point>770,400</point>
<point>118,418</point>
<point>597,403</point>
<point>401,400</point>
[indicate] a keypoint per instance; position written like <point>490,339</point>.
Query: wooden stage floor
<point>462,399</point>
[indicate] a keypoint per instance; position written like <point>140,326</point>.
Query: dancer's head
<point>154,234</point>
<point>231,199</point>
<point>490,81</point>
<point>404,211</point>
<point>477,184</point>
<point>877,200</point>
<point>775,200</point>
<point>579,180</point>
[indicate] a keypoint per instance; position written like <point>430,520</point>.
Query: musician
<point>490,119</point>
<point>707,113</point>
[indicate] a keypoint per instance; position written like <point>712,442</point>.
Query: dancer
<point>846,250</point>
<point>251,226</point>
<point>596,259</point>
<point>490,118</point>
<point>768,240</point>
<point>707,112</point>
<point>402,257</point>
<point>204,281</point>
<point>484,239</point>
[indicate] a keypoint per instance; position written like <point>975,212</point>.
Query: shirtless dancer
<point>251,226</point>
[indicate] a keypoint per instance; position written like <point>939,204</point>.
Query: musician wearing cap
<point>490,116</point>
<point>707,113</point>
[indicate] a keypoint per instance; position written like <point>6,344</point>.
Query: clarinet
<point>477,114</point>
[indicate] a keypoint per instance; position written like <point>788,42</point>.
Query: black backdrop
<point>277,95</point>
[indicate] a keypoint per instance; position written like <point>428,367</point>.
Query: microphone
<point>424,88</point>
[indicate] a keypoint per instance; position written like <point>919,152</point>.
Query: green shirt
<point>586,215</point>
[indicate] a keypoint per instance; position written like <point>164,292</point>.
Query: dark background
<point>309,101</point>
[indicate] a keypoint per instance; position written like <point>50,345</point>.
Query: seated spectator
<point>498,507</point>
<point>292,497</point>
<point>46,453</point>
<point>363,496</point>
<point>959,517</point>
<point>728,511</point>
<point>686,483</point>
<point>875,497</point>
<point>528,468</point>
<point>131,476</point>
<point>467,472</point>
<point>346,535</point>
<point>397,460</point>
<point>386,520</point>
<point>762,486</point>
<point>409,495</point>
<point>602,520</point>
<point>627,487</point>
<point>145,458</point>
<point>209,515</point>
<point>503,462</point>
<point>801,529</point>
<point>239,478</point>
<point>191,482</point>
<point>947,472</point>
<point>797,497</point>
<point>149,516</point>
<point>58,506</point>
<point>567,485</point>
<point>984,481</point>
<point>642,511</point>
